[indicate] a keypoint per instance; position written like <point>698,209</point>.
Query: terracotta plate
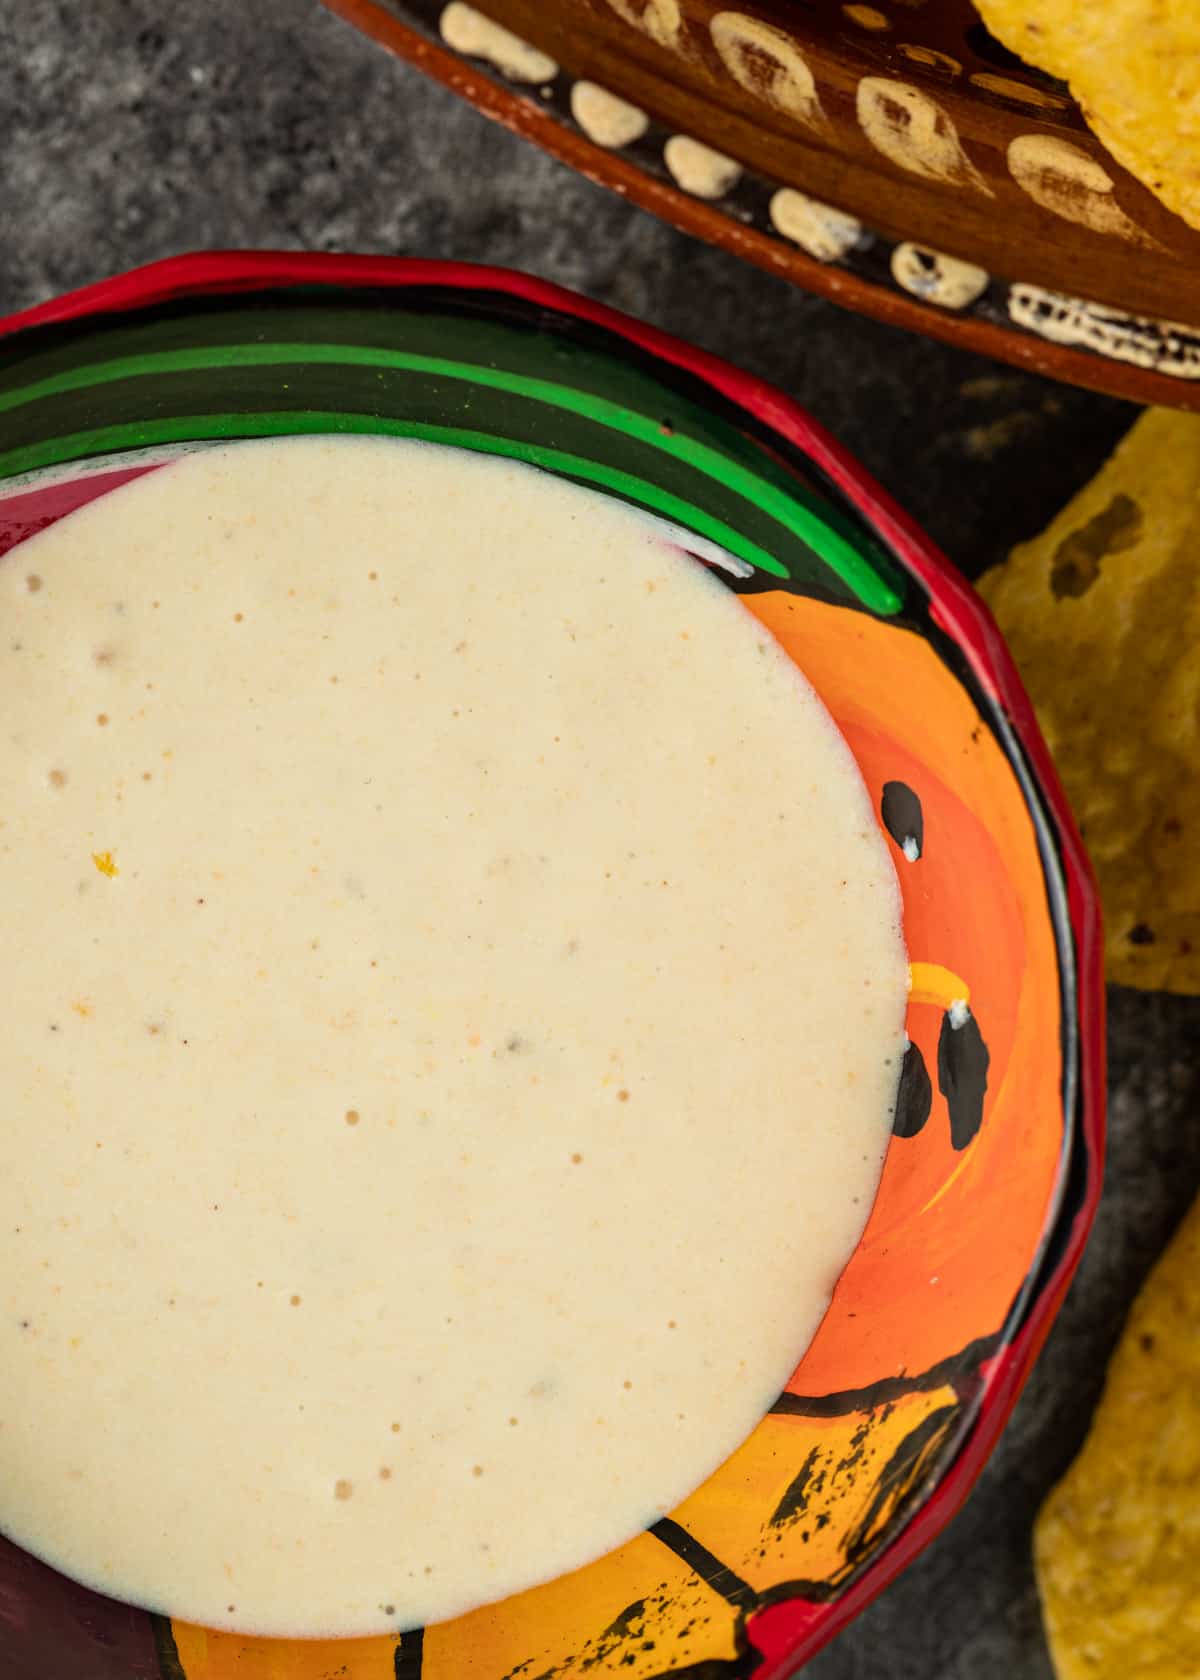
<point>892,156</point>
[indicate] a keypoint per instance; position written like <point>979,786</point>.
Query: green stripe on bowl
<point>106,439</point>
<point>371,356</point>
<point>840,555</point>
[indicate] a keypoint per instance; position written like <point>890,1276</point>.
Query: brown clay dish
<point>932,180</point>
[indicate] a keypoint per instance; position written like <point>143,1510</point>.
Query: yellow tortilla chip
<point>1117,1544</point>
<point>1102,613</point>
<point>1134,66</point>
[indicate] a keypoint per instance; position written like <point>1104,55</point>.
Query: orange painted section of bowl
<point>936,1268</point>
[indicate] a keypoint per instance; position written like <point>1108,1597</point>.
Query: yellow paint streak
<point>205,1654</point>
<point>930,58</point>
<point>105,863</point>
<point>947,1184</point>
<point>1024,92</point>
<point>848,1457</point>
<point>931,983</point>
<point>560,1627</point>
<point>867,17</point>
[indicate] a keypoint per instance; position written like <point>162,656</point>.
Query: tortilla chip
<point>1117,1544</point>
<point>1134,66</point>
<point>1102,613</point>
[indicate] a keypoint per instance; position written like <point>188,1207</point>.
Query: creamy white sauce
<point>454,1015</point>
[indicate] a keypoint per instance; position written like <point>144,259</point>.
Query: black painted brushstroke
<point>914,1099</point>
<point>410,1655</point>
<point>626,1621</point>
<point>962,1077</point>
<point>960,1372</point>
<point>701,1561</point>
<point>902,815</point>
<point>902,1481</point>
<point>816,1592</point>
<point>795,1498</point>
<point>166,1650</point>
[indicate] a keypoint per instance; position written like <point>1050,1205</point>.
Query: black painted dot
<point>963,1060</point>
<point>914,1099</point>
<point>1140,934</point>
<point>903,818</point>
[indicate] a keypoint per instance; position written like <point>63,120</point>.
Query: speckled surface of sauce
<point>455,1018</point>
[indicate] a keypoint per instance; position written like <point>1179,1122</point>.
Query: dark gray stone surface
<point>131,130</point>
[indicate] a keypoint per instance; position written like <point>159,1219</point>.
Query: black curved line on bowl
<point>958,1371</point>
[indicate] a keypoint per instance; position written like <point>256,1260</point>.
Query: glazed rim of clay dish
<point>899,162</point>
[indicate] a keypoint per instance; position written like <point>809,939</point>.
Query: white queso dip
<point>454,1020</point>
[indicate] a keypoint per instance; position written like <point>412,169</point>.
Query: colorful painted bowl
<point>893,157</point>
<point>994,1170</point>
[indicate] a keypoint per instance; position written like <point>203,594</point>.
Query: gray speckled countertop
<point>131,130</point>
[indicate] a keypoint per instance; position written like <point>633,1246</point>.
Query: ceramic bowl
<point>892,156</point>
<point>993,1172</point>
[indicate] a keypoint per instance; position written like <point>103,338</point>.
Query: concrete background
<point>130,130</point>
